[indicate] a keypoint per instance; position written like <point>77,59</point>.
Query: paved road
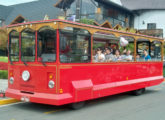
<point>149,106</point>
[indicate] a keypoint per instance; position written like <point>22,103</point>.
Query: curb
<point>8,101</point>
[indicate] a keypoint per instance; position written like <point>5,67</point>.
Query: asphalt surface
<point>149,106</point>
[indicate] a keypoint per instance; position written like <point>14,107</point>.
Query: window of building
<point>151,26</point>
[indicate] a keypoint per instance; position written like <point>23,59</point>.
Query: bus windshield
<point>14,46</point>
<point>28,45</point>
<point>47,44</point>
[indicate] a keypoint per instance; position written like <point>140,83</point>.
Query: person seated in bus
<point>108,56</point>
<point>104,50</point>
<point>99,57</point>
<point>127,57</point>
<point>124,51</point>
<point>117,56</point>
<point>146,56</point>
<point>138,57</point>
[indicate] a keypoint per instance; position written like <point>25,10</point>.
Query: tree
<point>3,38</point>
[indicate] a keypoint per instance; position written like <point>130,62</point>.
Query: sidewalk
<point>3,88</point>
<point>3,84</point>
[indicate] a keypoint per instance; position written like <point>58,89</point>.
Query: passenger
<point>105,51</point>
<point>137,57</point>
<point>99,57</point>
<point>124,51</point>
<point>128,56</point>
<point>109,56</point>
<point>146,56</point>
<point>117,56</point>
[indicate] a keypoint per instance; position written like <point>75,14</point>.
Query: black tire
<point>76,106</point>
<point>138,92</point>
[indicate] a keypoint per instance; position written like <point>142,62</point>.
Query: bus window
<point>14,46</point>
<point>141,47</point>
<point>74,45</point>
<point>127,50</point>
<point>28,45</point>
<point>47,44</point>
<point>155,51</point>
<point>104,47</point>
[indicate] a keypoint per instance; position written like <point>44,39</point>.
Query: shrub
<point>3,74</point>
<point>3,59</point>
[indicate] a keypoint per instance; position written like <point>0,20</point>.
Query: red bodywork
<point>80,82</point>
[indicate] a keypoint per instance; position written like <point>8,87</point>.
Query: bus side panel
<point>109,79</point>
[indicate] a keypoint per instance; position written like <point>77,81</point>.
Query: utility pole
<point>78,9</point>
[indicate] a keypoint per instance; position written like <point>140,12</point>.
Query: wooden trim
<point>116,27</point>
<point>17,18</point>
<point>55,5</point>
<point>96,23</point>
<point>96,28</point>
<point>162,51</point>
<point>135,49</point>
<point>108,23</point>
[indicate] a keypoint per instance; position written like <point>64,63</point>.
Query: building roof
<point>5,11</point>
<point>110,3</point>
<point>64,4</point>
<point>144,4</point>
<point>33,11</point>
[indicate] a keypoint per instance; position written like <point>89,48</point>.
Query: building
<point>99,10</point>
<point>37,10</point>
<point>31,11</point>
<point>149,16</point>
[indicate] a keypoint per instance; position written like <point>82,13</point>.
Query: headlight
<point>51,84</point>
<point>11,80</point>
<point>25,75</point>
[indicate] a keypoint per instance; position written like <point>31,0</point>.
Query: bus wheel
<point>138,92</point>
<point>78,105</point>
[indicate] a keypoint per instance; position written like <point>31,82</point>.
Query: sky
<point>13,2</point>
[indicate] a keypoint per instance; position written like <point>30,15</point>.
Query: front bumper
<point>44,98</point>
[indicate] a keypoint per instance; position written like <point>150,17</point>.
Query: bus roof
<point>85,25</point>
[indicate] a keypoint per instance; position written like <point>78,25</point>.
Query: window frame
<point>34,44</point>
<point>18,46</point>
<point>55,44</point>
<point>89,45</point>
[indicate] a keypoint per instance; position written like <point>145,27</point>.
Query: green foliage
<point>87,21</point>
<point>98,45</point>
<point>3,74</point>
<point>130,46</point>
<point>3,39</point>
<point>3,59</point>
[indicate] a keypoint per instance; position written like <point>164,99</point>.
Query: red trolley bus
<point>56,62</point>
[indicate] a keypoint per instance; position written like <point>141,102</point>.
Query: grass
<point>3,59</point>
<point>3,74</point>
